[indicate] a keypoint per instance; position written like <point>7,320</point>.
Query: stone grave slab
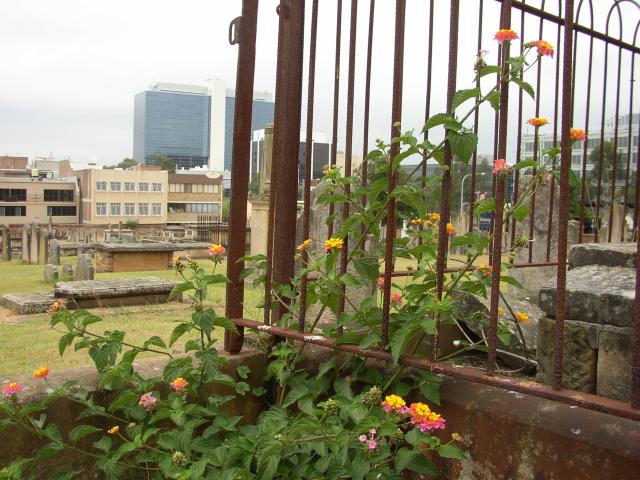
<point>28,303</point>
<point>607,254</point>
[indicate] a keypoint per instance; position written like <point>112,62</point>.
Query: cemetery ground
<point>29,340</point>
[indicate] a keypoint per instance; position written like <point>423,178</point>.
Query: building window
<point>129,209</point>
<point>58,195</point>
<point>116,186</point>
<point>13,195</point>
<point>11,211</point>
<point>115,210</point>
<point>101,186</point>
<point>143,187</point>
<point>187,187</point>
<point>129,186</point>
<point>176,188</point>
<point>143,209</point>
<point>61,211</point>
<point>194,208</point>
<point>157,209</point>
<point>216,188</point>
<point>101,209</point>
<point>157,187</point>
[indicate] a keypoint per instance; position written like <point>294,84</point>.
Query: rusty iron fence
<point>590,79</point>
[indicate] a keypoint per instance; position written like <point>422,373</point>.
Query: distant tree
<point>126,163</point>
<point>166,163</point>
<point>607,163</point>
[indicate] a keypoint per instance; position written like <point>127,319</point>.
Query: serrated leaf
<point>486,205</point>
<point>462,96</point>
<point>494,100</point>
<point>415,461</point>
<point>367,268</point>
<point>180,330</point>
<point>520,212</point>
<point>180,289</point>
<point>156,341</point>
<point>489,69</point>
<point>226,324</point>
<point>401,338</point>
<point>64,342</point>
<point>350,280</point>
<point>524,86</point>
<point>243,371</point>
<point>437,119</point>
<point>82,431</point>
<point>526,164</point>
<point>462,144</point>
<point>451,451</point>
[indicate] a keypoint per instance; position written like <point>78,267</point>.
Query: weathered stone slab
<point>580,354</point>
<point>117,287</point>
<point>51,273</point>
<point>67,272</point>
<point>28,303</point>
<point>615,351</point>
<point>472,308</point>
<point>596,294</point>
<point>607,254</point>
<point>54,252</point>
<point>85,269</point>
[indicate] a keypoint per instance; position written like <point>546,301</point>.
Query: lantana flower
<point>380,283</point>
<point>148,401</point>
<point>216,250</point>
<point>10,389</point>
<point>505,35</point>
<point>113,430</point>
<point>434,217</point>
<point>577,134</point>
<point>538,121</point>
<point>456,437</point>
<point>304,245</point>
<point>451,229</point>
<point>522,317</point>
<point>501,167</point>
<point>393,403</point>
<point>56,306</point>
<point>425,419</point>
<point>544,48</point>
<point>396,300</point>
<point>178,384</point>
<point>334,243</point>
<point>41,373</point>
<point>485,270</point>
<point>415,221</point>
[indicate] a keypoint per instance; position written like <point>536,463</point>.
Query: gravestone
<point>33,245</point>
<point>67,272</point>
<point>84,269</point>
<point>51,273</point>
<point>54,255</point>
<point>25,244</point>
<point>6,246</point>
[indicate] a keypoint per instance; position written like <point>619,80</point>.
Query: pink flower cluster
<point>148,401</point>
<point>10,389</point>
<point>370,441</point>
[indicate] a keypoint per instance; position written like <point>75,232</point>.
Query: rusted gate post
<point>563,216</point>
<point>286,141</point>
<point>245,36</point>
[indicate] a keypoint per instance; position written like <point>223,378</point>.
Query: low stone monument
<point>6,243</point>
<point>51,273</point>
<point>260,202</point>
<point>598,329</point>
<point>54,252</point>
<point>67,272</point>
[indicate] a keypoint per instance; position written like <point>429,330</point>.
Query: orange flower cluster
<point>304,245</point>
<point>577,134</point>
<point>522,317</point>
<point>505,35</point>
<point>500,167</point>
<point>178,384</point>
<point>41,373</point>
<point>57,306</point>
<point>216,250</point>
<point>334,243</point>
<point>544,48</point>
<point>538,122</point>
<point>485,270</point>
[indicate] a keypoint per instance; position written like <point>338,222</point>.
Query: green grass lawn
<point>29,342</point>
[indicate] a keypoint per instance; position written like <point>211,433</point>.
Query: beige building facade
<point>110,196</point>
<point>193,195</point>
<point>33,199</point>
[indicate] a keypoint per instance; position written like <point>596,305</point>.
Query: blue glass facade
<point>261,116</point>
<point>173,124</point>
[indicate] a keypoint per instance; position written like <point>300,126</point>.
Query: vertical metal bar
<point>505,22</point>
<point>286,142</point>
<point>516,176</point>
<point>600,160</point>
<point>635,366</point>
<point>348,150</point>
<point>552,187</point>
<point>629,144</point>
<point>427,109</point>
<point>307,163</point>
<point>367,100</point>
<point>445,206</point>
<point>614,160</point>
<point>240,170</point>
<point>396,117</point>
<point>336,104</point>
<point>268,280</point>
<point>476,115</point>
<point>563,217</point>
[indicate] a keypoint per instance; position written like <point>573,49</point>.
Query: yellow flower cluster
<point>393,403</point>
<point>304,245</point>
<point>450,229</point>
<point>522,317</point>
<point>334,243</point>
<point>113,430</point>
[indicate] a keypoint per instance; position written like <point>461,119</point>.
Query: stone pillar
<point>43,247</point>
<point>6,248</point>
<point>54,248</point>
<point>25,244</point>
<point>265,166</point>
<point>259,225</point>
<point>33,245</point>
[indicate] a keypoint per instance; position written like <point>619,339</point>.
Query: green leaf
<point>489,69</point>
<point>66,475</point>
<point>103,444</point>
<point>511,281</point>
<point>415,461</point>
<point>520,212</point>
<point>349,337</point>
<point>180,289</point>
<point>82,431</point>
<point>367,268</point>
<point>156,341</point>
<point>524,86</point>
<point>401,338</point>
<point>526,164</point>
<point>494,100</point>
<point>437,119</point>
<point>431,391</point>
<point>359,468</point>
<point>462,96</point>
<point>268,461</point>
<point>225,323</point>
<point>451,451</point>
<point>462,144</point>
<point>64,342</point>
<point>486,205</point>
<point>180,330</point>
<point>217,278</point>
<point>243,371</point>
<point>350,280</point>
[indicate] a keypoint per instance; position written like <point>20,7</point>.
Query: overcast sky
<point>72,67</point>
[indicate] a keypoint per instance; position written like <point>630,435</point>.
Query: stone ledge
<point>134,247</point>
<point>607,254</point>
<point>117,287</point>
<point>595,294</point>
